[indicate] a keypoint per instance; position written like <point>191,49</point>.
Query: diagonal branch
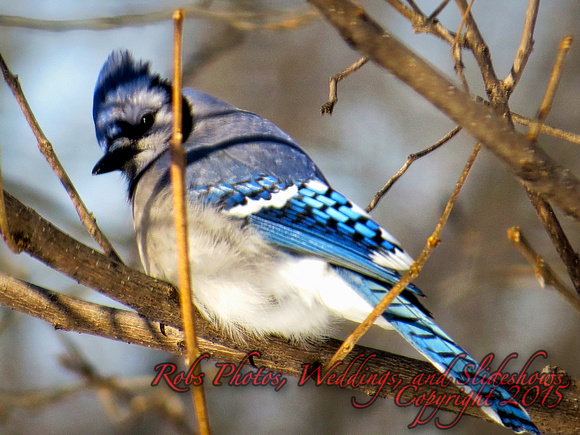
<point>529,162</point>
<point>525,47</point>
<point>432,242</point>
<point>410,159</point>
<point>493,86</point>
<point>543,271</point>
<point>47,150</point>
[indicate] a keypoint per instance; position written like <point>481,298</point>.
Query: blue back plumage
<point>227,144</point>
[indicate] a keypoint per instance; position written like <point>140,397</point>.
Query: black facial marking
<point>134,131</point>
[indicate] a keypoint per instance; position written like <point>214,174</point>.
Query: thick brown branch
<point>527,161</point>
<point>73,314</point>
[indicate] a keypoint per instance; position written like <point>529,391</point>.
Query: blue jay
<point>274,249</point>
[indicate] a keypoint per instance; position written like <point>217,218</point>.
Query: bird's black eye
<point>147,121</point>
<point>132,131</point>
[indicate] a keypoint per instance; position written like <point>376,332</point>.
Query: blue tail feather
<point>415,325</point>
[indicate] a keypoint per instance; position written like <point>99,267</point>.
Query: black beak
<point>115,159</point>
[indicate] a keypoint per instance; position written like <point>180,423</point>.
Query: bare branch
<point>456,49</point>
<point>423,24</point>
<point>72,314</point>
<point>410,159</point>
<point>499,94</point>
<point>550,93</point>
<point>47,150</point>
<point>524,49</point>
<point>527,161</point>
<point>546,129</point>
<point>559,239</point>
<point>328,107</point>
<point>177,172</point>
<point>411,274</point>
<point>4,228</point>
<point>493,87</point>
<point>543,209</point>
<point>542,270</point>
<point>438,10</point>
<point>246,21</point>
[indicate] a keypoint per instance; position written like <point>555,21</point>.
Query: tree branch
<point>246,21</point>
<point>45,147</point>
<point>527,161</point>
<point>525,47</point>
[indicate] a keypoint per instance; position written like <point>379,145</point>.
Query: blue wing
<point>312,219</point>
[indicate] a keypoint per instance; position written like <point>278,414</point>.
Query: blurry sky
<point>480,290</point>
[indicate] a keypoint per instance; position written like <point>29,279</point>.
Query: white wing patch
<point>277,200</point>
<point>389,237</point>
<point>317,186</point>
<point>398,260</point>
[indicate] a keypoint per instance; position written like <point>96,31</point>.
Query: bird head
<point>133,116</point>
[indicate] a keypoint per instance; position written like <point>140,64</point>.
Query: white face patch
<point>277,200</point>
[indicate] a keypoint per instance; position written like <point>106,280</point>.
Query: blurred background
<point>480,290</point>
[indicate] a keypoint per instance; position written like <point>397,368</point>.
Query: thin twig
<point>410,159</point>
<point>47,150</point>
<point>550,93</point>
<point>438,10</point>
<point>415,8</point>
<point>411,274</point>
<point>524,49</point>
<point>558,237</point>
<point>423,24</point>
<point>546,129</point>
<point>328,107</point>
<point>246,21</point>
<point>4,228</point>
<point>542,270</point>
<point>180,214</point>
<point>493,87</point>
<point>543,208</point>
<point>456,49</point>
